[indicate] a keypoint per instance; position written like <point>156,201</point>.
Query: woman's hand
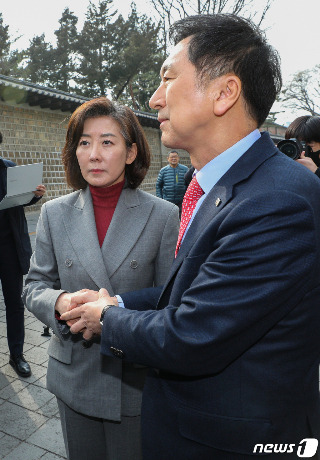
<point>88,312</point>
<point>70,300</point>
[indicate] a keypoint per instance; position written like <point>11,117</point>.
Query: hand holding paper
<point>22,184</point>
<point>40,190</point>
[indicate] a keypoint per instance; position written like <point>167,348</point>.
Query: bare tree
<point>169,11</point>
<point>303,91</point>
<point>176,9</point>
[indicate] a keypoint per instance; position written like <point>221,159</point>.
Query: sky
<point>292,27</point>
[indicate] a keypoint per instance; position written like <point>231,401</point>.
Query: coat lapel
<point>81,229</point>
<point>128,221</point>
<point>221,194</point>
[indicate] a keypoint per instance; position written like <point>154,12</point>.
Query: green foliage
<point>95,48</point>
<point>111,55</point>
<point>64,55</point>
<point>135,73</point>
<point>4,39</point>
<point>9,60</point>
<point>39,61</point>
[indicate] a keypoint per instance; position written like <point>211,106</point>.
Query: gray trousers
<point>90,438</point>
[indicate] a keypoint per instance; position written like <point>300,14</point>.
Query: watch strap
<point>105,308</point>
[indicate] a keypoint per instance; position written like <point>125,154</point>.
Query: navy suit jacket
<point>17,220</point>
<point>235,336</point>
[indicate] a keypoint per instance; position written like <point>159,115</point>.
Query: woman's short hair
<point>130,129</point>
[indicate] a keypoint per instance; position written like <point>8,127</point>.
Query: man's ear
<point>227,94</point>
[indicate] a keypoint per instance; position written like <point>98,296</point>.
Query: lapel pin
<point>218,201</point>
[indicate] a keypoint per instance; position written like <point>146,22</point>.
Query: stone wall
<point>32,135</point>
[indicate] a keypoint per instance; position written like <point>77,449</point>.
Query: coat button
<point>118,353</point>
<point>133,264</point>
<point>68,263</point>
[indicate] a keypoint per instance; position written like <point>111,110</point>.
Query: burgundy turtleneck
<point>104,201</point>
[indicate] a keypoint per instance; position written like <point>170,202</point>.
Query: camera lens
<point>291,148</point>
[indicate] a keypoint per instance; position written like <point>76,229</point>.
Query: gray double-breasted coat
<point>137,252</point>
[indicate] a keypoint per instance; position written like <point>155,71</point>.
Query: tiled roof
<point>13,90</point>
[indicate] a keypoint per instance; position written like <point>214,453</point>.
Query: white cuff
<point>120,301</point>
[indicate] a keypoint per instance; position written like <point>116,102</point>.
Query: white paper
<point>22,181</point>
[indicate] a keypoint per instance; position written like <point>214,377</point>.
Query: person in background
<point>232,338</point>
<point>307,128</point>
<point>170,184</point>
<point>106,233</point>
<point>15,253</point>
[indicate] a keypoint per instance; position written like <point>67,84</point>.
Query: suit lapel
<point>207,212</point>
<point>220,195</point>
<point>128,221</point>
<point>79,222</point>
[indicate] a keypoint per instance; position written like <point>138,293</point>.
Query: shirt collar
<point>210,174</point>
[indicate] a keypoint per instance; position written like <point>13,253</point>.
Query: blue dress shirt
<point>212,172</point>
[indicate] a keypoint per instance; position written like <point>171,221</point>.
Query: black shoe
<point>20,365</point>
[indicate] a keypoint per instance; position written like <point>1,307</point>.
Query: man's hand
<point>40,190</point>
<point>89,313</point>
<point>84,296</point>
<point>307,162</point>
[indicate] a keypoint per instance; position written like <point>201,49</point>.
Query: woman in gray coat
<point>110,234</point>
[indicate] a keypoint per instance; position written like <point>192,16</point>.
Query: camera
<point>293,148</point>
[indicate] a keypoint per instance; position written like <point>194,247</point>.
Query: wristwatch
<point>103,313</point>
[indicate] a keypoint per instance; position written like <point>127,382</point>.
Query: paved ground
<point>29,418</point>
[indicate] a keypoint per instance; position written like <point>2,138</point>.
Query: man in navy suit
<point>15,253</point>
<point>232,339</point>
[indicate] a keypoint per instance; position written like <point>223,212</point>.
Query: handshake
<point>82,310</point>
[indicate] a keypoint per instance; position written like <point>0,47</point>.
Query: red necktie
<point>190,199</point>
